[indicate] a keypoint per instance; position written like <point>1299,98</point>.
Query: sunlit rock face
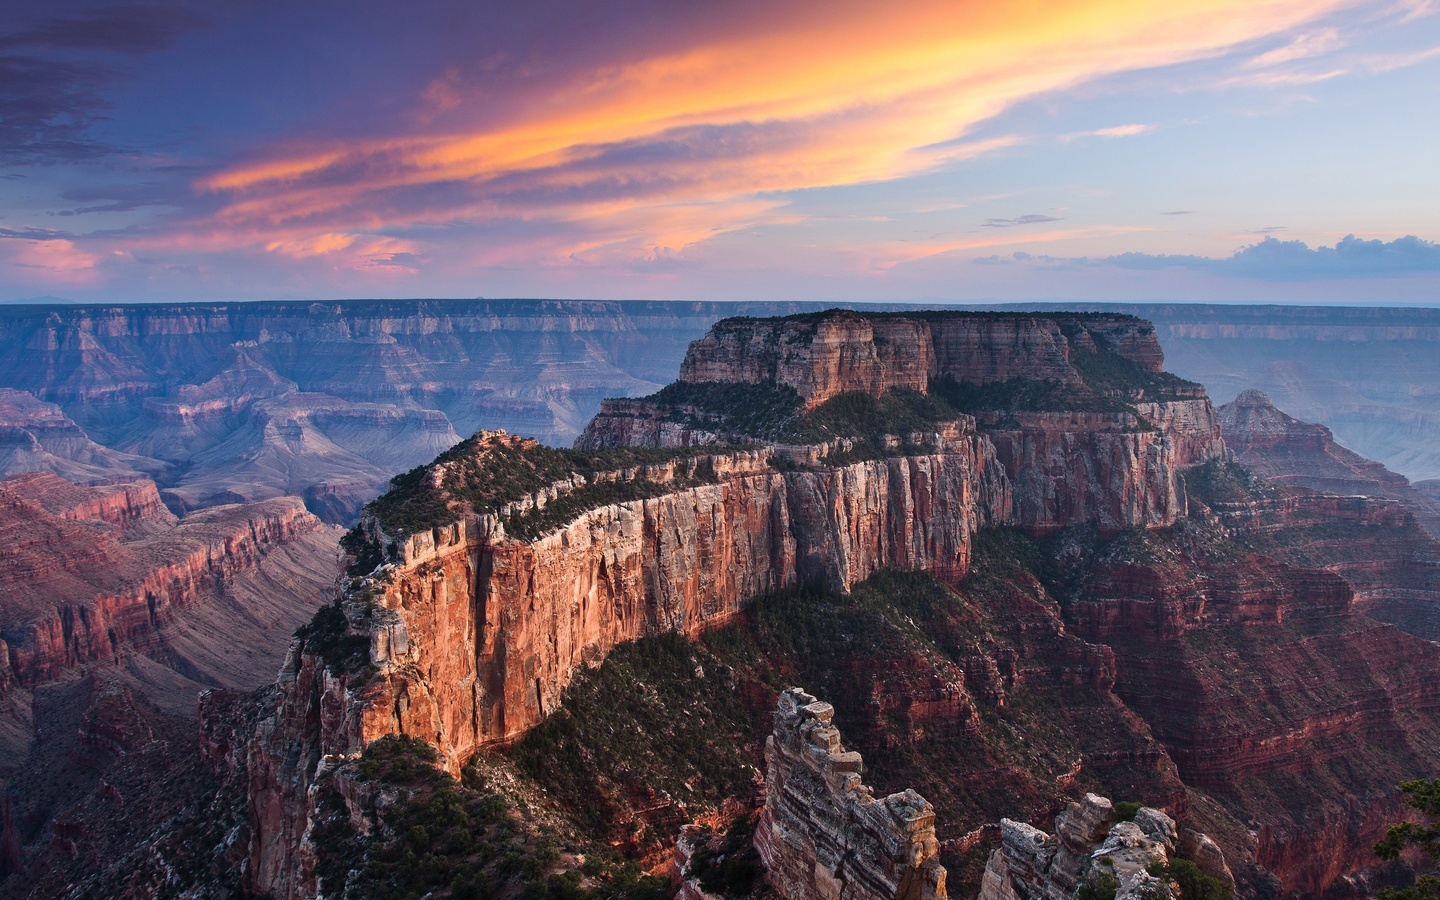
<point>101,572</point>
<point>478,632</point>
<point>1193,597</point>
<point>825,354</point>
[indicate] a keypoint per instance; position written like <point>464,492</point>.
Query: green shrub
<point>327,635</point>
<point>1098,886</point>
<point>1125,810</point>
<point>1193,883</point>
<point>1424,797</point>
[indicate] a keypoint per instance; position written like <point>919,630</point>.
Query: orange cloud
<point>668,149</point>
<point>50,261</point>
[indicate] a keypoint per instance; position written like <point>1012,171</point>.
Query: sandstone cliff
<point>116,615</point>
<point>74,591</point>
<point>473,620</point>
<point>825,354</point>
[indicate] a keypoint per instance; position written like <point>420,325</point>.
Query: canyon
<point>1117,603</point>
<point>236,402</point>
<point>240,402</point>
<point>117,615</point>
<point>472,636</point>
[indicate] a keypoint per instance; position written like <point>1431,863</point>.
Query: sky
<point>966,150</point>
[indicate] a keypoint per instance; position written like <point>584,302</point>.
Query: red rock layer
<point>1269,689</point>
<point>1285,449</point>
<point>75,589</point>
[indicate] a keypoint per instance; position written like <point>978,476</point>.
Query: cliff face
<point>830,353</point>
<point>1107,453</point>
<point>1368,373</point>
<point>115,617</point>
<point>75,592</point>
<point>1235,650</point>
<point>475,634</point>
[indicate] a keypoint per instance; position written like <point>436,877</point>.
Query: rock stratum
<point>1285,449</point>
<point>229,403</point>
<point>117,614</point>
<point>823,833</point>
<point>222,403</point>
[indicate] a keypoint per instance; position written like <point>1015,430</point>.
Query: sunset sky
<point>1227,150</point>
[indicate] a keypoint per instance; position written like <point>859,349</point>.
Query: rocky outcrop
<point>1114,469</point>
<point>823,833</point>
<point>1089,846</point>
<point>1368,373</point>
<point>475,634</point>
<point>1287,450</point>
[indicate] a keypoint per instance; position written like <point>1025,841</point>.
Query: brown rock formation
<point>823,833</point>
<point>1259,673</point>
<point>116,615</point>
<point>825,354</point>
<point>78,589</point>
<point>475,633</point>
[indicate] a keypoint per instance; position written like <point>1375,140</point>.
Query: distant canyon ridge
<point>242,402</point>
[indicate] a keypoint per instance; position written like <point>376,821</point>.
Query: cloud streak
<point>1275,260</point>
<point>52,80</point>
<point>661,149</point>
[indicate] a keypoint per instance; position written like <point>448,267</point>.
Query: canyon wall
<point>172,392</point>
<point>825,354</point>
<point>1367,373</point>
<point>1285,449</point>
<point>73,592</point>
<point>114,616</point>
